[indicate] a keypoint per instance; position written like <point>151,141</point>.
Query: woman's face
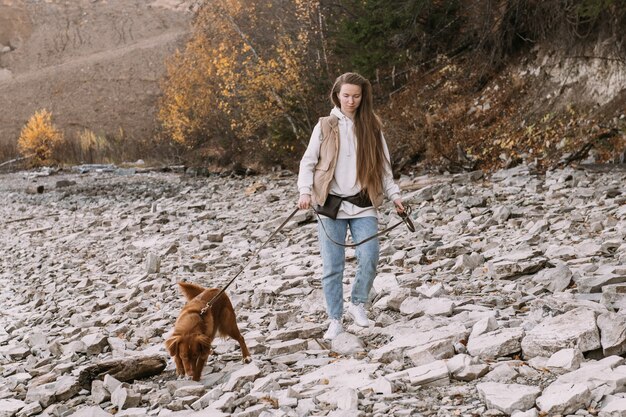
<point>350,98</point>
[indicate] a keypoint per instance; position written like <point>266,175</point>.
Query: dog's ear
<point>204,344</point>
<point>189,290</point>
<point>171,345</point>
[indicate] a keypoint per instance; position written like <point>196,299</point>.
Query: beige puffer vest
<point>325,167</point>
<point>329,151</point>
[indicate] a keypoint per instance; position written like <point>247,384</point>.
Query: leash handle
<point>405,216</point>
<point>210,302</point>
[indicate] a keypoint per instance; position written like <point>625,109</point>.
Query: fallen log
<point>16,160</point>
<point>123,369</point>
<point>584,150</point>
<point>33,231</point>
<point>21,219</point>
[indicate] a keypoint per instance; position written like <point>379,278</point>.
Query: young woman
<point>348,157</point>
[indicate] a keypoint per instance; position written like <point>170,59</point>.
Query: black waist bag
<point>361,200</point>
<point>330,207</point>
<point>333,202</point>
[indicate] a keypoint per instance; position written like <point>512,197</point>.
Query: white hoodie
<point>345,182</point>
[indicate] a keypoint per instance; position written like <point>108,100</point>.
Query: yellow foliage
<point>40,138</point>
<point>242,71</point>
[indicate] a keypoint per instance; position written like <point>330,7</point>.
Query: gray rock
<point>10,407</point>
<point>565,360</point>
<point>564,398</point>
<point>508,397</point>
<point>612,333</point>
<point>284,348</point>
<point>239,377</point>
<point>30,410</point>
<point>43,394</point>
<point>99,393</point>
<point>501,342</point>
<point>430,352</point>
<point>432,374</point>
<point>125,398</point>
<point>613,406</point>
<point>436,297</point>
<point>347,344</point>
<point>575,328</point>
<point>554,279</point>
<point>93,411</point>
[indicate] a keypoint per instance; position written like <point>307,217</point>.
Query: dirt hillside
<point>95,64</point>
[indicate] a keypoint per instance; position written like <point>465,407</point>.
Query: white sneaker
<point>358,314</point>
<point>334,329</point>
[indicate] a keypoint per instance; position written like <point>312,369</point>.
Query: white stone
<point>153,263</point>
<point>565,360</point>
<point>225,401</point>
<point>435,373</point>
<point>110,383</point>
<point>9,407</point>
<point>501,342</point>
<point>348,399</point>
<point>533,412</point>
<point>554,279</point>
<point>484,325</point>
<point>430,352</point>
<point>95,342</point>
<point>347,344</point>
<point>613,406</point>
<point>290,346</point>
<point>380,386</point>
<point>351,373</point>
<point>436,307</point>
<point>385,283</point>
<point>612,333</point>
<point>575,328</point>
<point>93,411</point>
<point>247,373</point>
<point>508,397</point>
<point>564,398</point>
<point>431,291</point>
<point>411,306</point>
<point>125,398</point>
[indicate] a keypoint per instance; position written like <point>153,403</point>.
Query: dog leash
<point>210,302</point>
<point>404,216</point>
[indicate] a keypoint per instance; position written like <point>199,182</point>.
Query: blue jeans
<point>333,260</point>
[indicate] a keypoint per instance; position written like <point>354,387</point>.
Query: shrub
<point>40,139</point>
<point>94,148</point>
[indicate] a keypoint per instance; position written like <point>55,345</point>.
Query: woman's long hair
<point>370,157</point>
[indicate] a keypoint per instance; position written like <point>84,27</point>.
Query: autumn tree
<point>40,139</point>
<point>245,79</point>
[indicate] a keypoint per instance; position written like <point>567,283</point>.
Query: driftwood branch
<point>12,161</point>
<point>462,162</point>
<point>584,150</point>
<point>33,231</point>
<point>123,369</point>
<point>21,219</point>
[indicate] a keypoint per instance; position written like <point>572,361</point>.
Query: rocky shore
<point>506,300</point>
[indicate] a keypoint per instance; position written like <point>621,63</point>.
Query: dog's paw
<point>247,359</point>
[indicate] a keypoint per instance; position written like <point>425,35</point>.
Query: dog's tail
<point>189,290</point>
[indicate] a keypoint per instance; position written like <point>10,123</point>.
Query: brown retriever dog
<point>190,343</point>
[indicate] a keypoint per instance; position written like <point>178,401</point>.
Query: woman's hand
<point>304,202</point>
<point>399,207</point>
